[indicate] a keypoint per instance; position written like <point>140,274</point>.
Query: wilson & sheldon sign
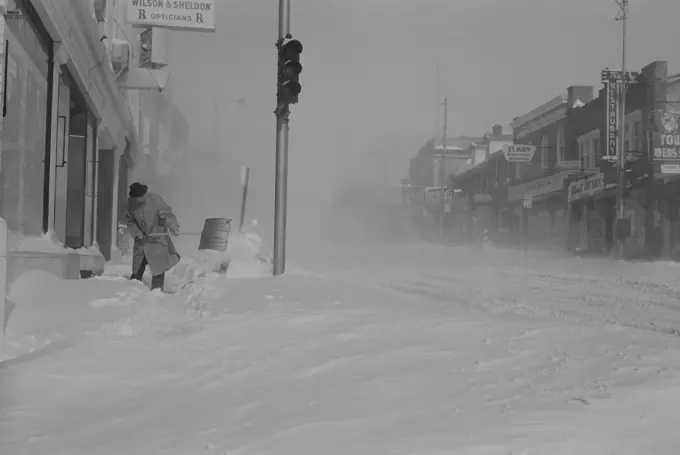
<point>196,15</point>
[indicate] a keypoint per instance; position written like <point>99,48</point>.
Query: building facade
<point>72,74</point>
<point>525,200</point>
<point>567,192</point>
<point>592,197</point>
<point>63,116</point>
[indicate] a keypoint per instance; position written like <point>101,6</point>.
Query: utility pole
<point>441,165</point>
<point>288,89</point>
<point>623,17</point>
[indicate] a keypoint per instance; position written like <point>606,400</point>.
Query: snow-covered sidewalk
<point>365,362</point>
<point>44,310</point>
<point>46,313</point>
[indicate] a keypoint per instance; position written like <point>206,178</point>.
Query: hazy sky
<point>370,70</point>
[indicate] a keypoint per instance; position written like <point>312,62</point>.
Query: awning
<point>144,79</point>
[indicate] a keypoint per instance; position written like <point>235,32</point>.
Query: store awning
<point>144,79</point>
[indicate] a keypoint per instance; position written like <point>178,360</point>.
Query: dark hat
<point>138,190</point>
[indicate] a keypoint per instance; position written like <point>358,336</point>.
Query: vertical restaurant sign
<point>612,112</point>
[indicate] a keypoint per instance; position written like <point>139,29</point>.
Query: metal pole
<point>441,165</point>
<point>621,155</point>
<point>245,179</point>
<point>281,174</point>
<point>624,89</point>
<point>436,112</point>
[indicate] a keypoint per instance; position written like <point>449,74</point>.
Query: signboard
<point>198,15</point>
<point>586,187</point>
<point>612,113</point>
<point>617,76</point>
<point>537,188</point>
<point>518,152</point>
<point>573,165</point>
<point>666,145</point>
<point>670,168</point>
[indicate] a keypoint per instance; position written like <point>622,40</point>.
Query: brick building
<point>506,185</point>
<point>649,193</point>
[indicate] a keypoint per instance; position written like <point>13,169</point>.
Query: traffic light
<point>289,70</point>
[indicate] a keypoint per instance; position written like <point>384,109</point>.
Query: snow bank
<point>24,289</point>
<point>245,256</point>
<point>91,251</point>
<point>43,308</point>
<point>42,244</point>
<point>59,310</point>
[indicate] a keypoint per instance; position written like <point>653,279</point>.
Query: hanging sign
<point>666,144</point>
<point>518,152</point>
<point>196,15</point>
<point>612,112</point>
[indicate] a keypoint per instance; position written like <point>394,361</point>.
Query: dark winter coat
<point>150,217</point>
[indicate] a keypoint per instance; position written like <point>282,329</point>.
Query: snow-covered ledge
<point>27,253</point>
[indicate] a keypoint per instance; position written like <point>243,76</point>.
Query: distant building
<point>425,170</point>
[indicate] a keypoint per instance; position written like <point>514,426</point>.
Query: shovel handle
<point>160,234</point>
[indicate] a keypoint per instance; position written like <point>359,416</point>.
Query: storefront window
<point>24,132</point>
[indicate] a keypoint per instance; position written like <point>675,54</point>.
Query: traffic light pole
<point>281,174</point>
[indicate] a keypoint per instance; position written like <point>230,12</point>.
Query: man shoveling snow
<point>149,214</point>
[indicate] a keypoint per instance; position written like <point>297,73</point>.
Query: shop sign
<point>666,146</point>
<point>537,188</point>
<point>670,168</point>
<point>432,195</point>
<point>197,15</point>
<point>609,75</point>
<point>586,187</point>
<point>518,152</point>
<point>612,112</point>
<point>572,165</point>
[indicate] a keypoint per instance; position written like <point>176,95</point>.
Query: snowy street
<point>408,350</point>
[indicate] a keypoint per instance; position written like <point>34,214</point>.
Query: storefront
<point>75,167</point>
<point>591,214</point>
<point>541,209</point>
<point>665,144</point>
<point>26,121</point>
